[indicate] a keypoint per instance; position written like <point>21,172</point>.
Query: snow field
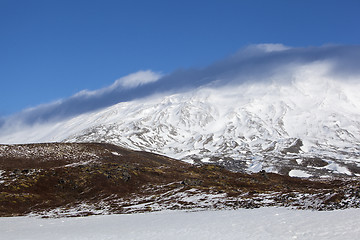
<point>263,223</point>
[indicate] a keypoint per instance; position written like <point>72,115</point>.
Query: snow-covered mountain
<point>300,120</point>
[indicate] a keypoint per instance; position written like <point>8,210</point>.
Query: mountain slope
<point>306,126</point>
<point>247,128</point>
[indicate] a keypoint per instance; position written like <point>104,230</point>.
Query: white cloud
<point>132,80</point>
<point>270,47</point>
<point>255,63</point>
<point>266,47</point>
<point>137,79</point>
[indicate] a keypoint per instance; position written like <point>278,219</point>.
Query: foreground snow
<point>263,223</point>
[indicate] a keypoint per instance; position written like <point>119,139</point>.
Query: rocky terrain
<point>79,179</point>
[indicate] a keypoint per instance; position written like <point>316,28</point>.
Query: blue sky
<point>51,50</point>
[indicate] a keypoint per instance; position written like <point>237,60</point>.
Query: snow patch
<point>255,167</point>
<point>299,173</point>
<point>205,160</point>
<point>1,173</point>
<point>116,153</point>
<point>337,168</point>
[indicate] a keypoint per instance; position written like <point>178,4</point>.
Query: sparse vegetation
<point>84,179</point>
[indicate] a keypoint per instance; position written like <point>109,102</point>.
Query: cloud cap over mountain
<point>262,62</point>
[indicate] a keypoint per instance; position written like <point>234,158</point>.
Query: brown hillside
<point>71,179</point>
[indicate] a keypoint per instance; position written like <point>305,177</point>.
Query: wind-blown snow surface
<point>249,224</point>
<point>291,119</point>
